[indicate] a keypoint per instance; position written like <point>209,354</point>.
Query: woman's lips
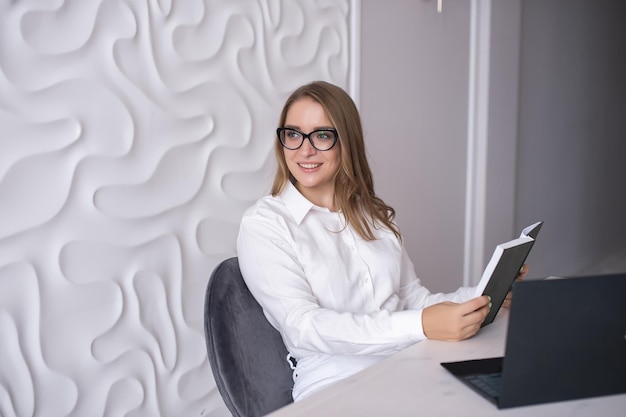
<point>309,166</point>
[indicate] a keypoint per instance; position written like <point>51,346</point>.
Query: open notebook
<point>503,268</point>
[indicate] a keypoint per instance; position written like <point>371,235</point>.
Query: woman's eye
<point>325,135</point>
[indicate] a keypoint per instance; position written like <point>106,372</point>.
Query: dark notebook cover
<point>503,268</point>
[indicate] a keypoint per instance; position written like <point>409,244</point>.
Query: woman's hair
<point>354,185</point>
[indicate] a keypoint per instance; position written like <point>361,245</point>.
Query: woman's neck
<point>319,197</point>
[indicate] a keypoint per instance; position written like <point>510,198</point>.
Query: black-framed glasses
<point>321,139</point>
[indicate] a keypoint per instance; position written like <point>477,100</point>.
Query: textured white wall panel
<point>133,135</point>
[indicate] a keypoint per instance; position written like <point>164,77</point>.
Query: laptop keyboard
<point>490,384</point>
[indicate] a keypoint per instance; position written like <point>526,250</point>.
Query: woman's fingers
<point>452,321</point>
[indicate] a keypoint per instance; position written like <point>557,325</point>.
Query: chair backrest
<point>246,354</point>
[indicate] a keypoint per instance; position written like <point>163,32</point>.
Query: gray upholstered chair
<point>246,354</point>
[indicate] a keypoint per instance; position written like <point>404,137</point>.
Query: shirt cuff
<point>409,324</point>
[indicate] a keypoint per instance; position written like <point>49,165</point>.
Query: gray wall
<point>556,129</point>
<point>572,140</point>
<point>413,103</point>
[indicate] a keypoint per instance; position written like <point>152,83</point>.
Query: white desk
<point>413,383</point>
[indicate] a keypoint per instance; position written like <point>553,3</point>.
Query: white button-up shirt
<point>341,303</point>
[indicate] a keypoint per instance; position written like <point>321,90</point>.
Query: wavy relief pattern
<point>133,135</point>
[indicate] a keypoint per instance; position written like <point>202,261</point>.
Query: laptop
<point>566,339</point>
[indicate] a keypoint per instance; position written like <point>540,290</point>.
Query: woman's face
<point>313,170</point>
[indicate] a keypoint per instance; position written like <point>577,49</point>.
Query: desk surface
<point>412,383</point>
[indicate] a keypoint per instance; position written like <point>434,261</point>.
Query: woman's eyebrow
<point>314,129</point>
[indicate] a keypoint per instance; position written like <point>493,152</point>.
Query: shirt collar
<point>297,204</point>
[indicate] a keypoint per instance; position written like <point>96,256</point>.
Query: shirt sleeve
<point>277,281</point>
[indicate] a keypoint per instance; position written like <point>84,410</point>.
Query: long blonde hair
<point>354,185</point>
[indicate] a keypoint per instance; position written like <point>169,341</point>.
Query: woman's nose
<point>307,147</point>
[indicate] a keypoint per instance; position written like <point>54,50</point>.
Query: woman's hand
<point>452,321</point>
<point>520,277</point>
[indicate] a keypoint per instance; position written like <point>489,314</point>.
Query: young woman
<point>324,258</point>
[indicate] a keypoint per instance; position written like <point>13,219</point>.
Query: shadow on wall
<point>613,263</point>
